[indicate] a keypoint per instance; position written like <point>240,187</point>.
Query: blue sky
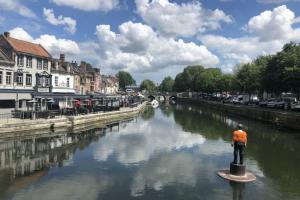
<point>154,38</point>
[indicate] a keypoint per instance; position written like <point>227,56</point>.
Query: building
<point>87,79</point>
<point>110,84</point>
<point>62,76</point>
<point>25,69</point>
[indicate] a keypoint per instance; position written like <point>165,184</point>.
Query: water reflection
<point>271,152</point>
<point>168,153</point>
<point>238,190</point>
<point>140,142</point>
<point>164,170</point>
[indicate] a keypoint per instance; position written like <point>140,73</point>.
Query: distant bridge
<point>162,96</point>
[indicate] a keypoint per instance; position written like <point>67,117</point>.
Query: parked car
<point>244,99</point>
<point>295,107</point>
<point>276,103</point>
<point>289,102</point>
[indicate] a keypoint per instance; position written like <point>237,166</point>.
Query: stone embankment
<point>14,128</point>
<point>283,118</point>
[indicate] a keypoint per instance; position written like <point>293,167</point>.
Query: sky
<point>153,39</point>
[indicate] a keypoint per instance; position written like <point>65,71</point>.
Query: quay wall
<point>72,123</point>
<point>283,118</point>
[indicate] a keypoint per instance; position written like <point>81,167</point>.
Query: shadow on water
<point>275,149</point>
<point>148,113</point>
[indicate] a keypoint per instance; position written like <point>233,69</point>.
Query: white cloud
<point>274,25</point>
<point>21,34</point>
<point>186,19</point>
<point>131,147</point>
<point>138,48</point>
<point>274,1</point>
<point>53,45</point>
<point>89,5</point>
<point>60,20</point>
<point>268,32</point>
<point>167,168</point>
<point>16,6</point>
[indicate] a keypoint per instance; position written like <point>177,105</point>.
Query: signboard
<point>43,90</point>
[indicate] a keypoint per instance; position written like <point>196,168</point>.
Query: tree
<point>148,85</point>
<point>249,78</point>
<point>167,84</point>
<point>210,79</point>
<point>226,82</point>
<point>125,79</point>
<point>290,62</point>
<point>179,84</point>
<point>187,79</point>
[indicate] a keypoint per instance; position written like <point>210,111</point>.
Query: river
<point>172,152</point>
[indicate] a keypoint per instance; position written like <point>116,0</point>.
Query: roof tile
<point>28,47</point>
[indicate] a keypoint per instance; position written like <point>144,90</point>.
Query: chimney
<point>83,66</point>
<point>6,34</point>
<point>62,57</point>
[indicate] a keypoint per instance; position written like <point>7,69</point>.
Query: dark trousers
<point>239,150</point>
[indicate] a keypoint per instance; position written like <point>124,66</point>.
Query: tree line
<point>270,73</point>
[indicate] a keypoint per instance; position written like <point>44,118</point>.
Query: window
<point>39,64</point>
<point>1,77</point>
<point>28,79</point>
<point>45,65</point>
<point>56,80</point>
<point>40,81</point>
<point>8,78</point>
<point>20,60</point>
<point>20,79</point>
<point>29,61</point>
<point>46,82</point>
<point>68,82</point>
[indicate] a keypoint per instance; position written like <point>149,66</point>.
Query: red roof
<point>28,47</point>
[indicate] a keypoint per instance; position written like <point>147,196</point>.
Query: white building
<point>62,82</point>
<point>25,70</point>
<point>62,76</point>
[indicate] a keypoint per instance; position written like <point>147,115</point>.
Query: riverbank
<point>281,118</point>
<point>73,123</point>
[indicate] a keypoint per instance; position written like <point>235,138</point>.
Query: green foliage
<point>282,72</point>
<point>148,85</point>
<point>210,80</point>
<point>125,79</point>
<point>277,73</point>
<point>167,84</point>
<point>187,80</point>
<point>249,78</point>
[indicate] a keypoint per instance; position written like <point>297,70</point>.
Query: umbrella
<point>32,101</point>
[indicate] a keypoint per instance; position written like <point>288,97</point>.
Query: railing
<point>21,115</point>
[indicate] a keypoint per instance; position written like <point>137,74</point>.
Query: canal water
<point>172,152</point>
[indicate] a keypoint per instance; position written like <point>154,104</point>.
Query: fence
<point>21,115</point>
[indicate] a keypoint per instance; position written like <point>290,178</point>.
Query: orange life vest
<point>239,136</point>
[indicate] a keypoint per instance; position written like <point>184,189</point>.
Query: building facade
<point>62,76</point>
<point>110,85</point>
<point>87,79</point>
<point>25,70</point>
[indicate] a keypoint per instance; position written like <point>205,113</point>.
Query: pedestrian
<point>239,142</point>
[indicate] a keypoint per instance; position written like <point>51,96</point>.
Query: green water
<point>172,152</point>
